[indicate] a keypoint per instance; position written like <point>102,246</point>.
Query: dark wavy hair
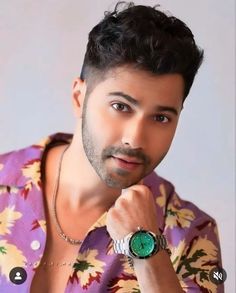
<point>144,38</point>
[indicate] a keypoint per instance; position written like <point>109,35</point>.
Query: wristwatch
<point>140,244</point>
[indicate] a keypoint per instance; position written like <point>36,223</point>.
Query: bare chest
<point>56,265</point>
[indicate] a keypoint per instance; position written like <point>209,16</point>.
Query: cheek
<point>161,143</point>
<point>102,127</point>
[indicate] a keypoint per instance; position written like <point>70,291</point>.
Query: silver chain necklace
<point>54,213</point>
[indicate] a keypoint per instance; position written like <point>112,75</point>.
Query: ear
<point>78,95</point>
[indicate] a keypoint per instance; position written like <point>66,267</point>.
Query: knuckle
<point>133,193</point>
<point>121,202</point>
<point>114,213</point>
<point>146,191</point>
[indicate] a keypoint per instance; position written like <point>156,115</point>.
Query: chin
<point>120,183</point>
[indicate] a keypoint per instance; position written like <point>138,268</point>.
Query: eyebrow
<point>136,103</point>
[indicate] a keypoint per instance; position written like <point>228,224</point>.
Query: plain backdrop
<point>42,44</point>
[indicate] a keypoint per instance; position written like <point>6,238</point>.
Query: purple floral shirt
<point>191,234</point>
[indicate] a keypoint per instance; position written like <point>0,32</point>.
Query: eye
<point>161,118</point>
<point>120,107</point>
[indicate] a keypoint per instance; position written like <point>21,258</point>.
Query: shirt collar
<point>21,167</point>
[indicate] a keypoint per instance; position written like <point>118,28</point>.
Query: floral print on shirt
<point>191,234</point>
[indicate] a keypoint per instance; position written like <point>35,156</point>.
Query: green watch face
<point>142,244</point>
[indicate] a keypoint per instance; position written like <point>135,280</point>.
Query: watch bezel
<point>154,251</point>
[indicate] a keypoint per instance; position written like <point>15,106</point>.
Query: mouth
<point>130,160</point>
<point>127,163</point>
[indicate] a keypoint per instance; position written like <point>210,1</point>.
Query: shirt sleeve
<point>202,254</point>
<point>195,246</point>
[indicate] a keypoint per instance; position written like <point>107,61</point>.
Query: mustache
<point>135,153</point>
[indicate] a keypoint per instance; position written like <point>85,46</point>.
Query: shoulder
<point>17,165</point>
<point>12,163</point>
<point>173,205</point>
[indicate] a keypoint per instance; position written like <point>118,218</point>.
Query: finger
<point>124,191</point>
<point>141,182</point>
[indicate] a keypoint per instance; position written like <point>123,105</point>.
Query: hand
<point>134,208</point>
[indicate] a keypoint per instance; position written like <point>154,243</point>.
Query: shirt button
<point>35,245</point>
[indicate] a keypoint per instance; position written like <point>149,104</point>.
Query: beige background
<point>41,50</point>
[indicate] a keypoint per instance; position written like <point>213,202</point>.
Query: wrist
<point>151,261</point>
<point>141,246</point>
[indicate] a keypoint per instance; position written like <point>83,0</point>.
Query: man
<point>86,212</point>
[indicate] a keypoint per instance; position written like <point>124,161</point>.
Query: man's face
<point>128,124</point>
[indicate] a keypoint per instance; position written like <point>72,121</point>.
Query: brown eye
<point>120,107</point>
<point>161,118</point>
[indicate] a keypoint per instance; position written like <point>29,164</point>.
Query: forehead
<point>142,85</point>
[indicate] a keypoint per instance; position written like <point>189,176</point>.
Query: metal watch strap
<point>122,245</point>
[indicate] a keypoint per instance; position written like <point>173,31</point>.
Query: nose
<point>134,134</point>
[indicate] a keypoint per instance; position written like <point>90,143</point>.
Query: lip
<point>127,159</point>
<point>123,164</point>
